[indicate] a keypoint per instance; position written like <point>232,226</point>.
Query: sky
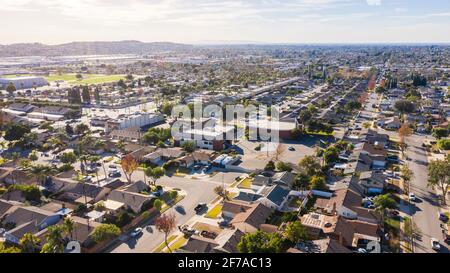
<point>199,21</point>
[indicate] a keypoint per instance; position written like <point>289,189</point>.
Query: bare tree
<point>166,224</point>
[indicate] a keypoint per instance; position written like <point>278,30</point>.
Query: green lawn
<point>246,183</point>
<point>163,244</point>
<point>87,78</point>
<point>214,212</point>
<point>181,241</point>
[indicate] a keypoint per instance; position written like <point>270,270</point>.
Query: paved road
<point>425,210</point>
<point>199,190</point>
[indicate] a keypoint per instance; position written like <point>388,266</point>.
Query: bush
<point>31,192</point>
<point>444,144</point>
<point>283,167</point>
<point>270,166</point>
<point>123,219</point>
<point>105,232</point>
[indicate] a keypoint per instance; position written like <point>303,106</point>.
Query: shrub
<point>105,232</point>
<point>31,192</point>
<point>444,144</point>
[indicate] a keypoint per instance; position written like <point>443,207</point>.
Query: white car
<point>412,197</point>
<point>136,232</point>
<point>435,245</point>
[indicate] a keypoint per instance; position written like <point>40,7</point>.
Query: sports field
<point>87,78</point>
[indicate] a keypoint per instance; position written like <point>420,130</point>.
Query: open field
<point>87,78</point>
<point>70,78</point>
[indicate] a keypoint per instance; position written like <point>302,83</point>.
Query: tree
<point>155,173</point>
<point>296,232</point>
<point>440,132</point>
<point>331,155</point>
<point>29,243</point>
<point>31,192</point>
<point>407,174</point>
<point>404,106</point>
<point>165,224</point>
<point>383,203</point>
<point>222,192</point>
<point>260,242</point>
<point>301,181</point>
<point>41,172</point>
<point>11,249</point>
<point>81,128</point>
<point>270,166</point>
<point>15,131</point>
<point>439,176</point>
<point>279,151</point>
<point>68,158</point>
<point>188,146</point>
<point>444,144</point>
<point>318,183</point>
<point>33,156</point>
<point>68,226</point>
<point>403,133</point>
<point>310,165</point>
<point>54,240</point>
<point>283,166</point>
<point>85,94</point>
<point>10,88</point>
<point>129,165</point>
<point>105,232</point>
<point>157,204</point>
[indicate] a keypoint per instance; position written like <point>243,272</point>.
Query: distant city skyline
<point>228,21</point>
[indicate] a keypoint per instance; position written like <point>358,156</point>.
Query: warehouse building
<point>23,82</point>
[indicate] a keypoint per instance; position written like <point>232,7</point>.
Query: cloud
<point>374,2</point>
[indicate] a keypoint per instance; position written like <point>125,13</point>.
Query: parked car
<point>136,232</point>
<point>200,207</point>
<point>208,234</point>
<point>207,168</point>
<point>115,173</point>
<point>114,167</point>
<point>224,223</point>
<point>412,197</point>
<point>291,148</point>
<point>443,217</point>
<point>197,167</point>
<point>187,231</point>
<point>87,179</point>
<point>435,245</point>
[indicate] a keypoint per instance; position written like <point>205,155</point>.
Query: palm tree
<point>55,240</point>
<point>383,203</point>
<point>68,227</point>
<point>15,158</point>
<point>29,243</point>
<point>94,159</point>
<point>40,172</point>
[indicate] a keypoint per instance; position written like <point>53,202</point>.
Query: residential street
<point>425,210</point>
<point>198,191</point>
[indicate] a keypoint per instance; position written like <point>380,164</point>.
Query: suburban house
<point>162,155</point>
<point>27,219</point>
<point>203,157</point>
<point>250,220</point>
<point>131,200</point>
<point>225,242</point>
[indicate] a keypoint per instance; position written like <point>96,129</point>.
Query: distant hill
<point>88,48</point>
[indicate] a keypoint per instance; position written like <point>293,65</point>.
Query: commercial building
<point>23,82</point>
